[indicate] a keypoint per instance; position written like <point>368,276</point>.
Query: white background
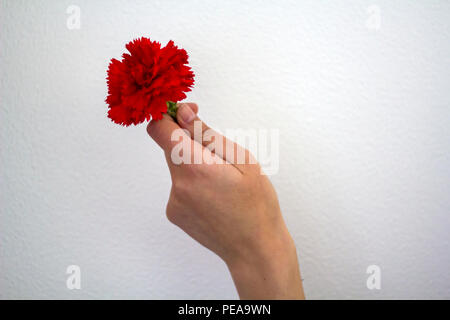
<point>363,115</point>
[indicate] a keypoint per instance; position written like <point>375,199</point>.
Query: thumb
<point>187,113</point>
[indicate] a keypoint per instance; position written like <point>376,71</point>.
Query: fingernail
<point>186,113</point>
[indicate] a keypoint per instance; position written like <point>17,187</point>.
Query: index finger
<point>161,131</point>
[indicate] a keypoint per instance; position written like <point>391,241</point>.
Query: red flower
<point>140,85</point>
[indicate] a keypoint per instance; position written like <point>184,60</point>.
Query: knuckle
<point>181,189</point>
<point>178,187</point>
<point>172,212</point>
<point>151,128</point>
<point>171,215</point>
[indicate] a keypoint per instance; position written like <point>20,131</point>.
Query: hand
<point>231,209</point>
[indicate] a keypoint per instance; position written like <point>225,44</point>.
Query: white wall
<point>364,123</point>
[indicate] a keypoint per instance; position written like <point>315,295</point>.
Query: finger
<point>225,148</point>
<point>158,129</point>
<point>170,137</point>
<point>161,131</point>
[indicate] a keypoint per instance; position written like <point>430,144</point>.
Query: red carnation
<point>145,80</point>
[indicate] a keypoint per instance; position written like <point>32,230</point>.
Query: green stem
<point>172,109</point>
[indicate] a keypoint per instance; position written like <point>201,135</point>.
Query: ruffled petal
<point>145,79</point>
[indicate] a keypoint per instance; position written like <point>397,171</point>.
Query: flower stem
<point>172,109</point>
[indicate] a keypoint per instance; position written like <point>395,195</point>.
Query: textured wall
<point>359,91</point>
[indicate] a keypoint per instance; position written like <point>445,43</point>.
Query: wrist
<point>269,270</point>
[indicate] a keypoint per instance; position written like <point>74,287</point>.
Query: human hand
<point>229,207</point>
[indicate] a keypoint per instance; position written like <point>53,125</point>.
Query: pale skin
<point>233,210</point>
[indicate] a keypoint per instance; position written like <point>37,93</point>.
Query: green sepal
<point>172,109</point>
